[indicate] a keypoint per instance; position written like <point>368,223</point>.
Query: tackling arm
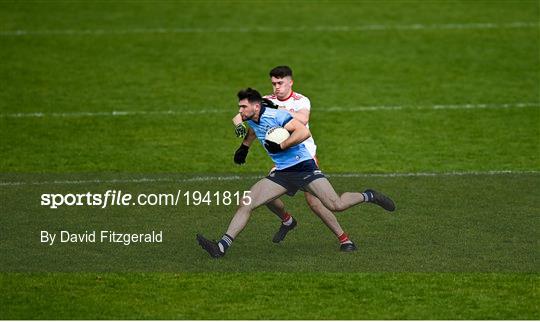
<point>237,119</point>
<point>301,115</point>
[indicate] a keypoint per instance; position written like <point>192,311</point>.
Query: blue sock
<point>225,242</point>
<point>368,196</point>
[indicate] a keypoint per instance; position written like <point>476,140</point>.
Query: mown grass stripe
<point>320,28</point>
<point>227,110</point>
<point>251,177</point>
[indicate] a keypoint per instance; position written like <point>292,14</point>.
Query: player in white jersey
<point>296,170</point>
<point>299,106</point>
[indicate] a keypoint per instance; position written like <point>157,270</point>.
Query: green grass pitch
<point>434,102</point>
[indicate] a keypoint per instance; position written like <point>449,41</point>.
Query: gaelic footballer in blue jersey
<point>282,157</point>
<point>295,170</point>
<point>299,106</point>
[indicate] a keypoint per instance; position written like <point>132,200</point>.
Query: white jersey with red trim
<point>296,102</point>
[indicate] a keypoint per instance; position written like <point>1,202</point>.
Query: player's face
<point>246,109</point>
<point>282,86</point>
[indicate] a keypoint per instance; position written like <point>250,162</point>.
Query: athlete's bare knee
<point>340,207</point>
<point>336,206</point>
<point>247,205</point>
<point>313,202</point>
<point>314,206</point>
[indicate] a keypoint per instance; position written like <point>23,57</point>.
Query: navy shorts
<point>296,177</point>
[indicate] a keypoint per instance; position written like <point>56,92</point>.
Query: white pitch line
<point>138,180</point>
<point>251,177</point>
<point>425,107</point>
<point>229,109</point>
<point>194,30</point>
<point>114,113</point>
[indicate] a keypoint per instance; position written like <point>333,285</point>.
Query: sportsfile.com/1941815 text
<point>120,198</point>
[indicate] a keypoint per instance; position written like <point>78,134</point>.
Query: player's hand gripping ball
<point>274,137</point>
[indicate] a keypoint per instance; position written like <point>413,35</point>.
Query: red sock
<point>343,238</point>
<point>286,217</point>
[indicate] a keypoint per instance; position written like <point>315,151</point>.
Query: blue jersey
<point>269,118</point>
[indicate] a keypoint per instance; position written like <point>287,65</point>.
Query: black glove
<point>241,154</point>
<point>268,103</point>
<point>240,130</point>
<point>272,147</point>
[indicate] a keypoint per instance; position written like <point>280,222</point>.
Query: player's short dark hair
<point>252,95</point>
<point>281,71</point>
